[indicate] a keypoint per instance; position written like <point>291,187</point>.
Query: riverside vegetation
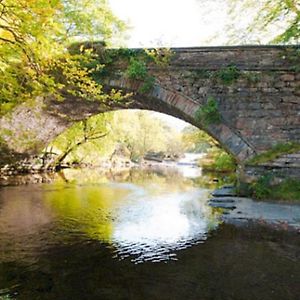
<point>129,136</point>
<point>28,29</point>
<point>267,186</point>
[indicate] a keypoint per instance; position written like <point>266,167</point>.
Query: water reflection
<point>145,215</point>
<point>76,238</point>
<point>151,228</point>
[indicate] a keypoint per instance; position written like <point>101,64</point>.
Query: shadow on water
<point>136,235</point>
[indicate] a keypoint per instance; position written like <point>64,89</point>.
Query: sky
<point>171,23</point>
<point>181,23</point>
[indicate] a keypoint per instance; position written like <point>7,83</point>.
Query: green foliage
<point>251,77</point>
<point>262,187</point>
<point>202,74</point>
<point>84,134</point>
<point>137,70</point>
<point>289,189</point>
<point>208,113</point>
<point>6,297</point>
<point>279,22</point>
<point>196,140</point>
<point>148,85</point>
<point>128,62</point>
<point>160,56</point>
<point>229,74</point>
<point>265,188</point>
<point>34,37</point>
<point>293,56</point>
<point>226,75</point>
<point>128,133</point>
<point>275,152</point>
<point>89,20</point>
<point>224,163</point>
<point>218,160</point>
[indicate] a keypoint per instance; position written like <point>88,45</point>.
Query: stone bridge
<point>256,90</point>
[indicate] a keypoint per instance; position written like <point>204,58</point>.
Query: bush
<point>264,188</point>
<point>229,74</point>
<point>261,189</point>
<point>136,70</point>
<point>219,161</point>
<point>208,113</point>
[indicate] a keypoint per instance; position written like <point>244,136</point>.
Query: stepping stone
<point>224,191</point>
<point>222,205</point>
<point>223,200</point>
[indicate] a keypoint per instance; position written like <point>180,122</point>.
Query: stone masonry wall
<point>259,108</point>
<point>262,105</point>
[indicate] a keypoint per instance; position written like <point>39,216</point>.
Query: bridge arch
<point>258,110</point>
<point>48,118</point>
<point>183,107</point>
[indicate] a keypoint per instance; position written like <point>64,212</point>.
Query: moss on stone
<point>275,152</point>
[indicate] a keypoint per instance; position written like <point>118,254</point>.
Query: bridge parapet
<point>248,58</point>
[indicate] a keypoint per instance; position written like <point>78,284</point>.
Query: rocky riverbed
<point>241,210</point>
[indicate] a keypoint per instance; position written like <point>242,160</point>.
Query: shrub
<point>136,70</point>
<point>208,113</point>
<point>148,85</point>
<point>261,189</point>
<point>218,160</point>
<point>229,74</point>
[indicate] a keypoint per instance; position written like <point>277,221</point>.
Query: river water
<point>137,234</point>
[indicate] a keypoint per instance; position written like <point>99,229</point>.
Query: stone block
<point>262,84</point>
<point>279,84</point>
<point>287,77</point>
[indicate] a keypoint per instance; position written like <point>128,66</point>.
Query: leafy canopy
<point>276,21</point>
<point>34,38</point>
<point>131,133</point>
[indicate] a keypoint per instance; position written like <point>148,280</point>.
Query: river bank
<point>94,235</point>
<point>233,208</point>
<point>244,211</point>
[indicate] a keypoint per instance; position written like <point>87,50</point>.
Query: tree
<point>272,21</point>
<point>140,132</point>
<point>196,140</point>
<point>34,40</point>
<point>131,133</point>
<point>85,132</point>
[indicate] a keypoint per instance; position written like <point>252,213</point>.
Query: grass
<point>264,189</point>
<point>287,190</point>
<point>275,152</point>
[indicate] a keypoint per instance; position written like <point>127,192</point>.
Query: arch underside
<point>182,107</point>
<point>48,118</point>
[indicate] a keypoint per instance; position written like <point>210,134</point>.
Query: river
<point>137,234</point>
